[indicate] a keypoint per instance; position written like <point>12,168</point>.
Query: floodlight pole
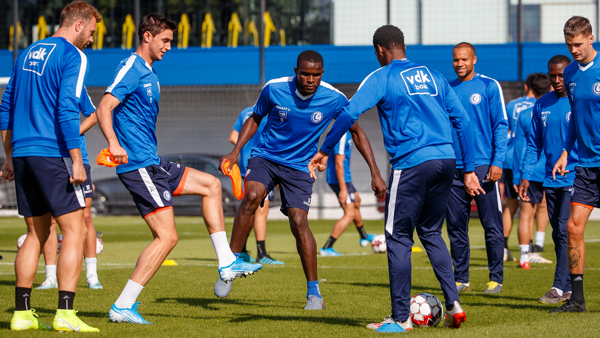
<point>388,11</point>
<point>261,40</point>
<point>520,46</point>
<point>15,20</point>
<point>136,19</point>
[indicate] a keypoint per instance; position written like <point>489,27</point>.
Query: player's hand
<point>472,185</point>
<point>8,172</point>
<point>378,185</point>
<point>561,165</point>
<point>343,197</point>
<point>523,190</point>
<point>79,176</point>
<point>227,159</point>
<point>319,161</point>
<point>117,154</point>
<point>495,174</point>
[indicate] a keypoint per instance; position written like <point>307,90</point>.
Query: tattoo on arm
<point>574,254</point>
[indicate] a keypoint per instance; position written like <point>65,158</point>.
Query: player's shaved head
<point>558,59</point>
<point>466,45</point>
<point>388,37</point>
<point>309,56</point>
<point>78,10</point>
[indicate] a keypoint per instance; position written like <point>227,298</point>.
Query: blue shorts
<point>507,179</point>
<point>535,192</point>
<point>152,187</point>
<point>336,188</point>
<point>295,185</point>
<point>87,187</point>
<point>586,187</point>
<point>42,185</point>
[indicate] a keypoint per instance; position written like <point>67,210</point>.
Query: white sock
<point>524,253</point>
<point>129,295</point>
<point>90,267</point>
<point>224,254</point>
<point>540,236</point>
<point>51,271</point>
<point>559,291</point>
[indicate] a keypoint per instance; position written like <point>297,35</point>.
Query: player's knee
<point>170,240</point>
<point>215,186</point>
<point>253,197</point>
<point>350,213</point>
<point>575,232</point>
<point>298,223</point>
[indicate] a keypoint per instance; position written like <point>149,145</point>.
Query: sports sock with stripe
<point>329,242</point>
<point>524,253</point>
<point>577,284</point>
<point>261,248</point>
<point>22,296</point>
<point>65,300</point>
<point>313,289</point>
<point>361,232</point>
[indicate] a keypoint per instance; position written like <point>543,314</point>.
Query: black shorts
<point>295,185</point>
<point>535,192</point>
<point>43,186</point>
<point>336,188</point>
<point>152,187</point>
<point>586,187</point>
<point>507,179</point>
<point>88,189</point>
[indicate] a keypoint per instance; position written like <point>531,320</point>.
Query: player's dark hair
<point>78,10</point>
<point>465,45</point>
<point>558,59</point>
<point>388,37</point>
<point>309,56</point>
<point>155,24</point>
<point>528,80</point>
<point>540,84</point>
<point>577,25</point>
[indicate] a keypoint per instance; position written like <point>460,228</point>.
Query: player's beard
<point>82,40</point>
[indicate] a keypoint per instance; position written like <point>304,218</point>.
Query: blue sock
<point>313,289</point>
<point>237,255</point>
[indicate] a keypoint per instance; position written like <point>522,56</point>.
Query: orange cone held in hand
<point>104,158</point>
<point>236,179</point>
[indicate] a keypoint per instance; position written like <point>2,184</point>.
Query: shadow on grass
<point>5,325</point>
<point>7,283</point>
<point>15,251</point>
<point>213,303</point>
<point>322,320</point>
<point>53,312</point>
<point>196,259</point>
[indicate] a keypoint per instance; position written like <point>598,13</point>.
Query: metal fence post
<point>520,89</point>
<point>261,40</point>
<point>136,19</point>
<point>15,31</point>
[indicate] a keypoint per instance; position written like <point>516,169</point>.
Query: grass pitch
<point>179,300</point>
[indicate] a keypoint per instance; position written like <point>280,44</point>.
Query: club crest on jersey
<point>545,117</point>
<point>419,81</point>
<point>596,88</point>
<point>167,195</point>
<point>148,87</point>
<point>282,115</point>
<point>36,59</point>
<point>475,99</point>
<point>568,117</point>
<point>316,117</point>
<point>572,89</point>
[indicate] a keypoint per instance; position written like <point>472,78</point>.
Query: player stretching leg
<point>134,96</point>
<point>299,109</point>
<point>339,179</point>
<point>40,133</point>
<point>260,220</point>
<point>540,84</point>
<point>89,246</point>
<point>581,83</point>
<point>482,98</point>
<point>414,103</point>
<point>551,117</point>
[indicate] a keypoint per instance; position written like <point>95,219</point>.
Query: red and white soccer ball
<point>378,244</point>
<point>99,246</point>
<point>426,310</point>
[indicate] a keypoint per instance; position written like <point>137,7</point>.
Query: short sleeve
<point>126,80</point>
<point>86,105</point>
<point>262,107</point>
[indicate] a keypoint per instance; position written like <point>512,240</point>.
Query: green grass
<point>180,300</point>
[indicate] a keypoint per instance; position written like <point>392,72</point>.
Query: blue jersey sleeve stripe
<point>501,95</point>
<point>121,73</point>
<point>82,72</point>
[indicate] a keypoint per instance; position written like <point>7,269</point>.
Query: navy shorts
<point>152,187</point>
<point>88,188</point>
<point>43,186</point>
<point>586,187</point>
<point>535,192</point>
<point>270,195</point>
<point>295,185</point>
<point>336,188</point>
<point>507,179</point>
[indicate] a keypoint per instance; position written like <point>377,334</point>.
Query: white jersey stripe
<point>501,95</point>
<point>82,71</point>
<point>342,149</point>
<point>122,73</point>
<point>150,186</point>
<point>498,197</point>
<point>327,85</point>
<point>368,76</point>
<point>389,223</point>
<point>77,187</point>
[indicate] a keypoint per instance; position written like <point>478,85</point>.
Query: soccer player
<point>339,179</point>
<point>418,110</point>
<point>550,119</point>
<point>40,133</point>
<point>482,98</point>
<point>540,84</point>
<point>260,219</point>
<point>583,91</point>
<point>299,109</point>
<point>513,108</point>
<point>134,95</point>
<point>89,247</point>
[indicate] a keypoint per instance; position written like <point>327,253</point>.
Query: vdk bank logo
<point>38,56</point>
<point>419,81</point>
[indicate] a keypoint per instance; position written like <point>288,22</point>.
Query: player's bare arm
<point>561,165</point>
<point>364,147</point>
<point>104,115</point>
<point>88,123</point>
<point>7,169</point>
<point>248,130</point>
<point>233,136</point>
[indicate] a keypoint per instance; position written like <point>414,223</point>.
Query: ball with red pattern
<point>426,310</point>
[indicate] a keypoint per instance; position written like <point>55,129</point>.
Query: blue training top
<point>344,148</point>
<point>295,122</point>
<point>513,109</point>
<point>247,149</point>
<point>483,100</point>
<point>417,111</point>
<point>134,120</point>
<point>41,101</point>
<point>87,108</point>
<point>551,116</point>
<point>522,131</point>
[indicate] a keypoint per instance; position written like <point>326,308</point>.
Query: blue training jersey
<point>41,101</point>
<point>344,148</point>
<point>522,132</point>
<point>550,121</point>
<point>134,120</point>
<point>253,142</point>
<point>513,109</point>
<point>483,100</point>
<point>582,83</point>
<point>87,108</point>
<point>417,110</point>
<point>295,122</point>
